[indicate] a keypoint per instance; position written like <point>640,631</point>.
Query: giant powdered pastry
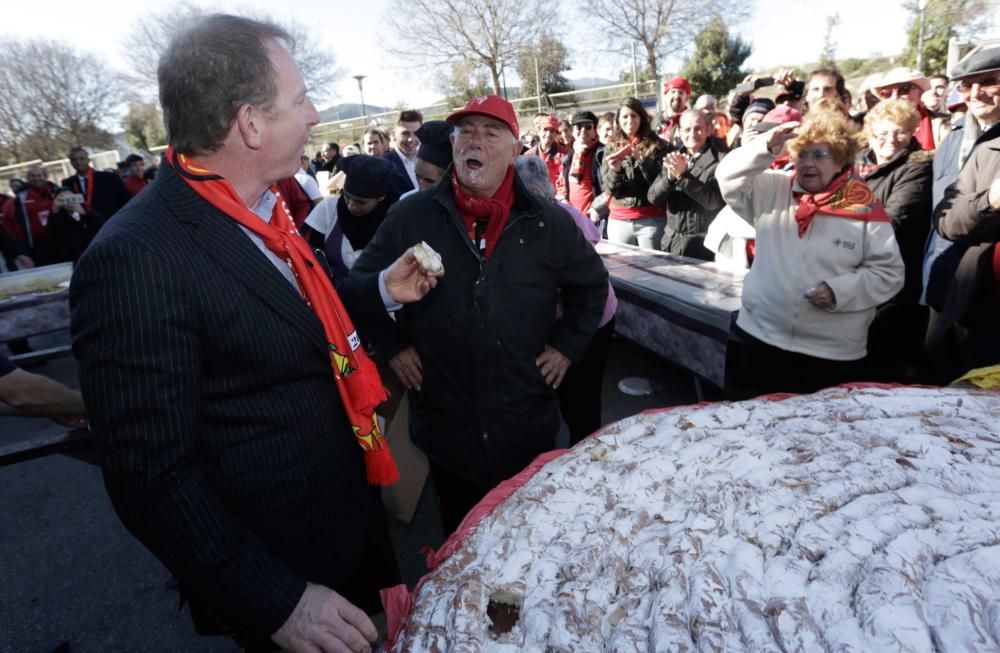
<point>855,519</point>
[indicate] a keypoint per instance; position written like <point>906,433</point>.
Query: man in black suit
<point>404,151</point>
<point>104,192</point>
<point>224,398</point>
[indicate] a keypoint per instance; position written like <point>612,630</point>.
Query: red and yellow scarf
<point>358,382</point>
<point>846,197</point>
<point>493,210</point>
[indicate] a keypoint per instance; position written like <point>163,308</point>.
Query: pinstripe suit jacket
<point>225,447</point>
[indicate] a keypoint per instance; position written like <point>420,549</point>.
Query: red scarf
<point>846,197</point>
<point>494,210</point>
<point>87,203</point>
<point>357,379</point>
<point>925,129</point>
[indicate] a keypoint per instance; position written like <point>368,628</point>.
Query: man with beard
<point>676,93</point>
<point>103,192</point>
<point>484,355</point>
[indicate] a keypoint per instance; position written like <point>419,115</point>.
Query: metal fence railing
<point>596,99</point>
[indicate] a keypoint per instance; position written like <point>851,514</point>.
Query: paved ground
<point>73,579</point>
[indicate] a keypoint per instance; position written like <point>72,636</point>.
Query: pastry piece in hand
<point>428,260</point>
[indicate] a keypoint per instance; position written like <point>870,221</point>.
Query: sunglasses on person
<point>900,91</point>
<point>987,85</point>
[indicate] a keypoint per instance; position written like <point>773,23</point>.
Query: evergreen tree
<point>716,65</point>
<point>552,59</point>
<point>944,19</point>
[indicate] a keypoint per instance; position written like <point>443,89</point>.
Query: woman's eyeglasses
<point>818,156</point>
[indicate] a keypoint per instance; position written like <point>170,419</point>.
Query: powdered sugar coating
<point>850,520</point>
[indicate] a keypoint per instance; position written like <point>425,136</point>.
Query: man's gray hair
<point>534,174</point>
<point>212,68</point>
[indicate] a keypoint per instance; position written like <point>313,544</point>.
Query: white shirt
<point>410,165</point>
<point>309,185</point>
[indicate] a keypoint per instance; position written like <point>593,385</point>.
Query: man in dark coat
<point>403,153</point>
<point>220,370</point>
<point>956,258</point>
<point>687,188</point>
<point>484,353</point>
<point>103,192</point>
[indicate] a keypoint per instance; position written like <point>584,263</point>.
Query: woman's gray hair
<point>534,175</point>
<point>213,67</point>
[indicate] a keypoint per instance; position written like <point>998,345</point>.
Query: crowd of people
<point>235,401</point>
<point>42,223</point>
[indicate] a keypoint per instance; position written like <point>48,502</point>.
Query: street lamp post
<point>361,90</point>
<point>922,4</point>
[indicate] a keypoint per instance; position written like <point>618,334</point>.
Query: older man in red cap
<point>676,94</point>
<point>550,150</point>
<point>484,357</point>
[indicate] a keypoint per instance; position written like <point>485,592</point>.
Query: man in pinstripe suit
<point>206,364</point>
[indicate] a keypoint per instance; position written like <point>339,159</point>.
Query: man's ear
<point>250,122</point>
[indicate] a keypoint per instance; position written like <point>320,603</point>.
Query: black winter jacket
<point>691,203</point>
<point>903,185</point>
<point>629,186</point>
<point>484,410</point>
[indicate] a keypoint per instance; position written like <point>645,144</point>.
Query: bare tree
<point>485,33</point>
<point>53,97</point>
<point>661,28</point>
<point>152,32</point>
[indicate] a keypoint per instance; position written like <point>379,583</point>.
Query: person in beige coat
<point>826,258</point>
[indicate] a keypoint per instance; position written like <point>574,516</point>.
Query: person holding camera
<point>70,227</point>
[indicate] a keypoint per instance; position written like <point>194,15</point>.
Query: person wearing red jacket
<point>135,181</point>
<point>25,216</point>
<point>550,150</point>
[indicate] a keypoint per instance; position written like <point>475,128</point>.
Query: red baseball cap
<point>678,82</point>
<point>493,106</point>
<point>548,122</point>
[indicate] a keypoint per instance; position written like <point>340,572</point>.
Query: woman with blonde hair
<point>900,176</point>
<point>632,161</point>
<point>826,257</point>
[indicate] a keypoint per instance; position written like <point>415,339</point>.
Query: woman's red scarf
<point>847,196</point>
<point>493,210</point>
<point>357,378</point>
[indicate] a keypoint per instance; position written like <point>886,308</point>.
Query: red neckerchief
<point>847,196</point>
<point>494,210</point>
<point>925,129</point>
<point>358,382</point>
<point>90,188</point>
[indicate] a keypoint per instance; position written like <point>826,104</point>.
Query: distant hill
<point>348,110</point>
<point>591,82</point>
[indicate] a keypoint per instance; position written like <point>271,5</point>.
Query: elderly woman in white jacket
<point>826,258</point>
